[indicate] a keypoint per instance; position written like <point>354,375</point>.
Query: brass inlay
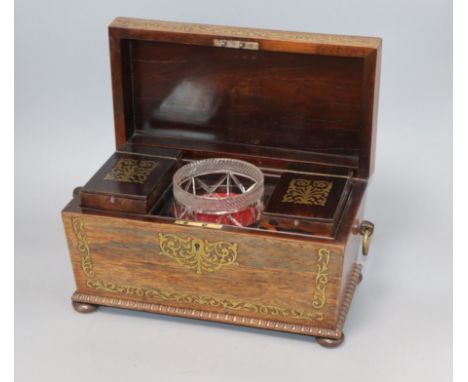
<point>319,298</point>
<point>83,247</point>
<point>228,304</point>
<point>306,191</point>
<point>198,255</point>
<point>131,170</point>
<point>238,32</point>
<point>321,280</point>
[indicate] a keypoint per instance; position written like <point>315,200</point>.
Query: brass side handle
<point>366,229</point>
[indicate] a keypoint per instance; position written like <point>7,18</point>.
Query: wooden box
<point>300,106</point>
<point>307,203</point>
<point>131,180</point>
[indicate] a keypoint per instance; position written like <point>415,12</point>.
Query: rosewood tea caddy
<point>302,107</point>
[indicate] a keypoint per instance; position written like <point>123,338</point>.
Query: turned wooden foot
<point>330,342</point>
<point>360,278</point>
<point>82,307</point>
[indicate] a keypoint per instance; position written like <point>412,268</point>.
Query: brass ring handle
<point>366,229</point>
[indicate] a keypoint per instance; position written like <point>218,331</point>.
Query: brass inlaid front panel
<point>131,170</point>
<point>198,255</point>
<point>306,191</point>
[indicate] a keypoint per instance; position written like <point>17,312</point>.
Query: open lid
<point>212,90</point>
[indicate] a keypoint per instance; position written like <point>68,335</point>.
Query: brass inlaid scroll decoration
<point>198,255</point>
<point>83,247</point>
<point>131,170</point>
<point>321,280</point>
<point>228,304</point>
<point>160,296</point>
<point>305,191</point>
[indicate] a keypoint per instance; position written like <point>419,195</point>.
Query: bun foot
<point>82,307</point>
<point>330,342</point>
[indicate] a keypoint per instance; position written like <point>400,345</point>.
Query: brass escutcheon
<point>366,229</point>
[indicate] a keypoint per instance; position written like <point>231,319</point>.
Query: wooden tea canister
<point>300,106</point>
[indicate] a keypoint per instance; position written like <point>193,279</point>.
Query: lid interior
<point>294,106</point>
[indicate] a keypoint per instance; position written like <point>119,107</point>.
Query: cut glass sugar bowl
<point>219,190</point>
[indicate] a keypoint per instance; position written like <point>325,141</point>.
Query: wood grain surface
<point>300,97</point>
<point>269,278</point>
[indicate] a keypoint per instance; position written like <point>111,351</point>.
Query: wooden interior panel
<point>268,99</point>
<point>299,95</point>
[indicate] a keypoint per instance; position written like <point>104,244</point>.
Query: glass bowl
<point>219,190</point>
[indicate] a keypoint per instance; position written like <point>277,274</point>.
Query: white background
<point>400,323</point>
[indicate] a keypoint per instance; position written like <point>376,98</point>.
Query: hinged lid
<point>211,90</point>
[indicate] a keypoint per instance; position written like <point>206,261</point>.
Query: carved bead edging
<point>234,319</point>
<point>348,295</point>
<point>209,316</point>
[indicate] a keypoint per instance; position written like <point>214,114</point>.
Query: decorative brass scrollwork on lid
<point>198,255</point>
<point>131,170</point>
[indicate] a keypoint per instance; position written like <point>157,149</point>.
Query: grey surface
<point>399,327</point>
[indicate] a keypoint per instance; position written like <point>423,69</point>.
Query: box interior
<point>312,224</point>
<point>288,106</point>
<point>252,103</point>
